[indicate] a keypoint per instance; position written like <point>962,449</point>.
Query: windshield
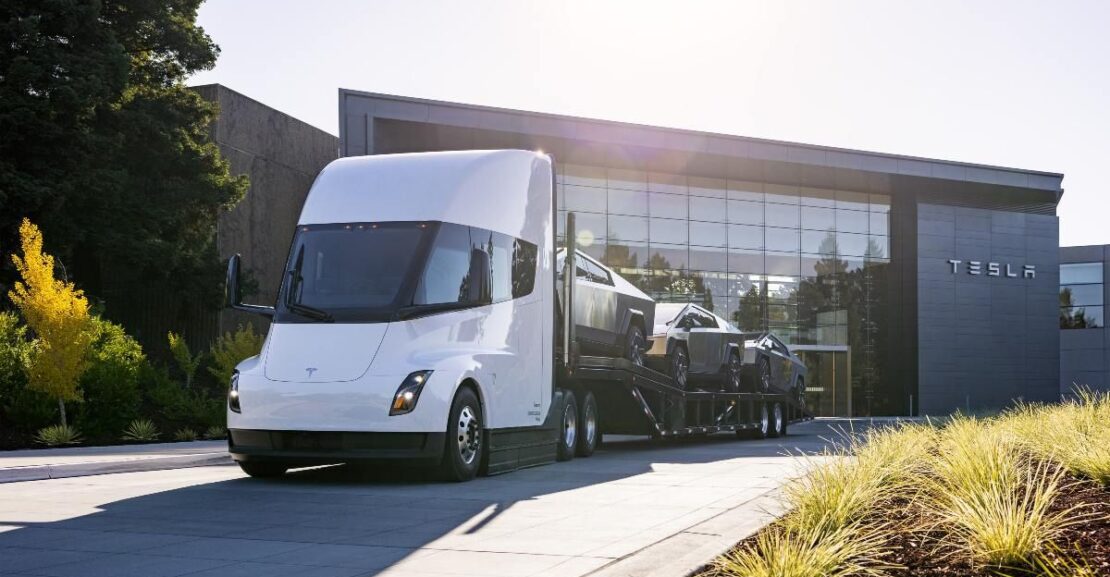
<point>351,272</point>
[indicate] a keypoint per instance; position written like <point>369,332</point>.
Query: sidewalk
<point>37,464</point>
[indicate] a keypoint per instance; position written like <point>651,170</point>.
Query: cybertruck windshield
<point>355,272</point>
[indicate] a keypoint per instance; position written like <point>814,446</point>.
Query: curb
<point>42,472</point>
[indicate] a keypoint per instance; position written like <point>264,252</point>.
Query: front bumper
<point>306,448</point>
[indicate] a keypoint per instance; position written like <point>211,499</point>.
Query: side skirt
<point>520,447</point>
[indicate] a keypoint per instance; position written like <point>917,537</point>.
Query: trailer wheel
<point>680,366</point>
<point>568,428</point>
<point>764,422</point>
<point>263,470</point>
<point>778,421</point>
<point>590,433</point>
<point>733,373</point>
<point>463,450</point>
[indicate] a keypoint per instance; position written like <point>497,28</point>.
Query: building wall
<point>281,156</point>
<point>984,340</point>
<point>1085,353</point>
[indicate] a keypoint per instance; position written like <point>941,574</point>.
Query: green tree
<point>104,145</point>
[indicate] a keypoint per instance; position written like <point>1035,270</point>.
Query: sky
<point>1009,83</point>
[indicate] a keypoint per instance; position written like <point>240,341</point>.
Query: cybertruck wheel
<point>462,453</point>
<point>568,428</point>
<point>680,366</point>
<point>263,470</point>
<point>763,380</point>
<point>589,433</point>
<point>800,393</point>
<point>634,345</point>
<point>733,373</point>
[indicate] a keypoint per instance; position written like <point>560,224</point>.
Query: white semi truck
<point>418,319</point>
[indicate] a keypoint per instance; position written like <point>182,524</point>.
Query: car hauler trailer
<point>416,321</point>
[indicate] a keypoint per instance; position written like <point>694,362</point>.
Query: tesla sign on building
<point>845,255</point>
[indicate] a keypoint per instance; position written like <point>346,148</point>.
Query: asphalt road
<point>587,516</point>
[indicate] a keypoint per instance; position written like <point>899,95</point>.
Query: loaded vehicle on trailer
<point>697,348</point>
<point>416,320</point>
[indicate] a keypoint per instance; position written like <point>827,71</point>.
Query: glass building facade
<point>805,263</point>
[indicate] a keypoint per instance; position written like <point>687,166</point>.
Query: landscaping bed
<point>1020,494</point>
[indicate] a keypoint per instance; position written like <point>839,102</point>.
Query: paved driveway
<point>633,504</point>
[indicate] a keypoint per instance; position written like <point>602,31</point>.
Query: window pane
<point>628,228</point>
<point>1081,295</point>
<point>780,193</point>
<point>591,228</point>
<point>852,200</point>
<point>668,231</point>
<point>821,266</point>
<point>818,218</point>
<point>878,246</point>
<point>852,221</point>
<point>446,274</point>
<point>524,268</point>
<point>745,261</point>
<point>818,242</point>
<point>664,257</point>
<point>818,197</point>
<point>782,215</point>
<point>712,187</point>
<point>742,190</point>
<point>745,212</point>
<point>708,259</point>
<point>708,234</point>
<point>1087,272</point>
<point>662,182</point>
<point>851,244</point>
<point>582,198</point>
<point>633,202</point>
<point>626,257</point>
<point>595,250</point>
<point>782,315</point>
<point>707,209</point>
<point>782,239</point>
<point>501,267</point>
<point>626,179</point>
<point>783,264</point>
<point>1081,317</point>
<point>879,203</point>
<point>880,223</point>
<point>667,205</point>
<point>745,236</point>
<point>580,175</point>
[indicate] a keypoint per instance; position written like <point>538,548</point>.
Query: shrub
<point>807,551</point>
<point>110,383</point>
<point>186,361</point>
<point>22,410</point>
<point>215,432</point>
<point>141,430</point>
<point>230,349</point>
<point>185,434</point>
<point>57,435</point>
<point>1075,433</point>
<point>176,407</point>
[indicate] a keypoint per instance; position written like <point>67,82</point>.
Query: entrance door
<point>828,379</point>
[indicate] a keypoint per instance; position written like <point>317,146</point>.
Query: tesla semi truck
<point>416,320</point>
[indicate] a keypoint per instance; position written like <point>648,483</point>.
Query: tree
<point>58,314</point>
<point>106,148</point>
<point>186,360</point>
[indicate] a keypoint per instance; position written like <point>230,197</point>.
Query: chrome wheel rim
<point>765,376</point>
<point>734,372</point>
<point>469,434</point>
<point>591,423</point>
<point>570,426</point>
<point>764,421</point>
<point>778,418</point>
<point>681,367</point>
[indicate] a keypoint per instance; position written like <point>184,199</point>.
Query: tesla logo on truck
<point>975,267</point>
<point>310,370</point>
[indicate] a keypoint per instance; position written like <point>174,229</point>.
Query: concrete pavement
<point>36,464</point>
<point>634,508</point>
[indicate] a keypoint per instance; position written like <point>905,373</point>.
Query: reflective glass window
<point>1085,272</point>
<point>782,215</point>
<point>667,205</point>
<point>852,200</point>
<point>634,202</point>
<point>782,239</point>
<point>583,198</point>
<point>669,257</point>
<point>879,203</point>
<point>781,194</point>
<point>784,264</point>
<point>818,197</point>
<point>663,182</point>
<point>447,274</point>
<point>708,258</point>
<point>626,179</point>
<point>745,236</point>
<point>1081,295</point>
<point>1082,317</point>
<point>523,267</point>
<point>878,246</point>
<point>623,256</point>
<point>743,190</point>
<point>814,218</point>
<point>821,265</point>
<point>782,315</point>
<point>851,221</point>
<point>501,266</point>
<point>595,249</point>
<point>851,244</point>
<point>577,174</point>
<point>880,223</point>
<point>819,242</point>
<point>628,228</point>
<point>745,261</point>
<point>708,233</point>
<point>708,209</point>
<point>745,212</point>
<point>668,231</point>
<point>591,227</point>
<point>711,187</point>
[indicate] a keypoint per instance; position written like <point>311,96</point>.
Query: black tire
<point>568,428</point>
<point>264,469</point>
<point>763,377</point>
<point>800,393</point>
<point>679,366</point>
<point>634,345</point>
<point>589,430</point>
<point>464,449</point>
<point>778,421</point>
<point>731,379</point>
<point>763,420</point>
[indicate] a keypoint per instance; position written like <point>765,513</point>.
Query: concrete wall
<point>1085,353</point>
<point>281,155</point>
<point>984,340</point>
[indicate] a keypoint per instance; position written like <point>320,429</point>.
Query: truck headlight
<point>233,394</point>
<point>404,401</point>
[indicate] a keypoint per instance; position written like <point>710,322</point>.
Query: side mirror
<point>480,278</point>
<point>233,297</point>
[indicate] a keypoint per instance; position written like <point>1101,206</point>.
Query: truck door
<point>699,340</point>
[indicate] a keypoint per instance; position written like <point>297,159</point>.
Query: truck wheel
<point>634,344</point>
<point>263,470</point>
<point>764,429</point>
<point>590,433</point>
<point>568,428</point>
<point>462,454</point>
<point>680,366</point>
<point>733,373</point>
<point>778,421</point>
<point>800,393</point>
<point>764,382</point>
